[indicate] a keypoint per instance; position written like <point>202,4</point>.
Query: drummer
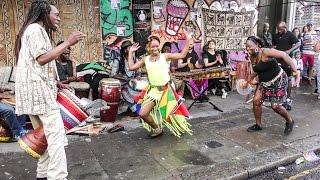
<point>213,58</point>
<point>66,68</point>
<point>7,113</point>
<point>120,70</point>
<point>192,61</point>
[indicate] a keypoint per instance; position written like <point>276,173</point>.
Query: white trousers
<point>53,163</point>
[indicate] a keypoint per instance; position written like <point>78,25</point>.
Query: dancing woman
<point>157,67</point>
<point>273,81</point>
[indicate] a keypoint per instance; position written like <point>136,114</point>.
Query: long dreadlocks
<point>39,11</point>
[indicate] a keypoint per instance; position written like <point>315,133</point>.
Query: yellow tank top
<point>158,71</point>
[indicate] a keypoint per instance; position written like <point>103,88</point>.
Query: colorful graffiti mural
<point>117,26</point>
<point>116,20</point>
<point>170,18</point>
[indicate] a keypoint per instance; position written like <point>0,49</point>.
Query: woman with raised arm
<point>156,97</point>
<point>273,81</point>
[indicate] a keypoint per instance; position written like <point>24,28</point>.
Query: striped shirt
<point>307,47</point>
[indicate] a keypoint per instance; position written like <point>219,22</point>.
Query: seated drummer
<point>192,61</point>
<point>7,113</point>
<point>212,58</point>
<point>66,68</point>
<point>120,70</point>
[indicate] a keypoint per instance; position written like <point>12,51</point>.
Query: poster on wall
<point>230,29</point>
<point>142,16</point>
<point>142,23</point>
<point>116,24</point>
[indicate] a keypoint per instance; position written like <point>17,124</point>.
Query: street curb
<point>272,165</point>
<point>267,167</point>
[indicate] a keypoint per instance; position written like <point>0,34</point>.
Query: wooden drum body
<point>242,70</point>
<point>110,91</point>
<point>82,89</point>
<point>34,142</point>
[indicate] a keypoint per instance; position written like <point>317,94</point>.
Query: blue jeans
<point>8,114</point>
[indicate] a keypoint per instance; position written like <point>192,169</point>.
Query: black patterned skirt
<point>275,92</point>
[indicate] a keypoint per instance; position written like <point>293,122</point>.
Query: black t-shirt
<point>194,58</point>
<point>212,58</point>
<point>284,42</point>
<point>64,71</point>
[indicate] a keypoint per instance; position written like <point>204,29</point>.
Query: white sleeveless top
<point>158,71</point>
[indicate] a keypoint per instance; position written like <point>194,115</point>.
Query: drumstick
<point>76,129</point>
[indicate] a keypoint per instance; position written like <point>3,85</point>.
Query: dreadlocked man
<point>36,86</point>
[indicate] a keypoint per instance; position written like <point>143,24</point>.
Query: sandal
<point>289,127</point>
<point>116,128</point>
<point>157,132</point>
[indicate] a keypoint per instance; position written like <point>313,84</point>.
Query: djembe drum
<point>110,91</point>
<point>35,142</point>
<point>135,86</point>
<point>82,89</point>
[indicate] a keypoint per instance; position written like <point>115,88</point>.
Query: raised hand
<point>75,37</point>
<point>134,47</point>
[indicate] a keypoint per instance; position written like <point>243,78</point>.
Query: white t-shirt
<point>298,64</point>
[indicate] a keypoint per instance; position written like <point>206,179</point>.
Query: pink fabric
<point>197,86</point>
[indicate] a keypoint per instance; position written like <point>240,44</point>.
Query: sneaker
<point>23,132</point>
<point>289,127</point>
<point>224,95</point>
<point>315,92</point>
<point>213,91</point>
<point>15,138</point>
<point>254,128</point>
<point>289,101</point>
<point>157,132</point>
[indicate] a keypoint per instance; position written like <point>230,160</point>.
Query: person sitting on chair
<point>190,62</point>
<point>120,70</point>
<point>66,68</point>
<point>7,113</point>
<point>212,58</point>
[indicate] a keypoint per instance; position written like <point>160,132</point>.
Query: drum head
<point>79,85</point>
<point>243,91</point>
<point>110,81</point>
<point>138,85</point>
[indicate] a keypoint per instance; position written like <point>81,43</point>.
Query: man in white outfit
<point>36,85</point>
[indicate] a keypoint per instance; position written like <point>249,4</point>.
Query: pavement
<point>220,147</point>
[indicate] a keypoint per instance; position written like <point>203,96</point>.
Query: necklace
<point>154,59</point>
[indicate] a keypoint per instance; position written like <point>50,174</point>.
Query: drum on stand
<point>82,89</point>
<point>110,91</point>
